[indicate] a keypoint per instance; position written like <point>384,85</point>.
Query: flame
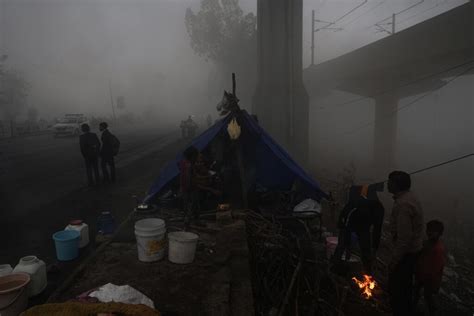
<point>367,285</point>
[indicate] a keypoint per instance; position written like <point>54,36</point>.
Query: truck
<point>69,125</point>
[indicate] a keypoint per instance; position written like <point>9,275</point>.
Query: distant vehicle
<point>69,125</point>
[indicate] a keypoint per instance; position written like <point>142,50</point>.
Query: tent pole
<point>242,174</point>
<point>233,85</point>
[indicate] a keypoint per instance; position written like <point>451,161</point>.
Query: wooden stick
<point>290,288</point>
<point>242,174</point>
<point>233,85</point>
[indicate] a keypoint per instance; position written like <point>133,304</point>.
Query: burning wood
<point>367,285</point>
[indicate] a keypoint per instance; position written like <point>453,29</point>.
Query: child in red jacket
<point>430,265</point>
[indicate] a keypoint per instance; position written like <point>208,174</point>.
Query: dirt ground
<point>216,283</point>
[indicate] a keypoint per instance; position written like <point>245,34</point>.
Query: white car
<point>69,125</point>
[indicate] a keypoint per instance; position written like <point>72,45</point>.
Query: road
<point>38,169</point>
<point>43,187</point>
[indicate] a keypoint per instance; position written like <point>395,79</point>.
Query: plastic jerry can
<point>82,228</point>
<point>36,268</point>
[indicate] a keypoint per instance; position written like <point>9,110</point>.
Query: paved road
<point>38,169</point>
<point>43,187</point>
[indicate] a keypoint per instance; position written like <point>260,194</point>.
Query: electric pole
<point>112,101</point>
<point>312,39</point>
<point>326,26</point>
<point>393,23</point>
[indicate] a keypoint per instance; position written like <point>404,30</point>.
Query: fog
<point>76,53</point>
<point>71,50</point>
<point>378,97</point>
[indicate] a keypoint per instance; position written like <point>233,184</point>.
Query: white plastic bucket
<point>331,244</point>
<point>182,247</point>
<point>150,234</point>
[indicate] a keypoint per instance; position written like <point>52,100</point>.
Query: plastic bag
<point>308,205</point>
<point>121,294</point>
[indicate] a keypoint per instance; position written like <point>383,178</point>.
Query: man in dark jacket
<point>90,146</point>
<point>108,150</point>
<point>406,227</point>
<point>363,215</point>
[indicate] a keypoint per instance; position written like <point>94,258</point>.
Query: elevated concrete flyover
<point>413,61</point>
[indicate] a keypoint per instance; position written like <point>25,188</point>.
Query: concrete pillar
<point>281,101</point>
<point>385,134</point>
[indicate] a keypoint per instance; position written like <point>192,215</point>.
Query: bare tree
<point>222,34</point>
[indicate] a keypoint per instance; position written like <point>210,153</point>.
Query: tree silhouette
<point>222,34</point>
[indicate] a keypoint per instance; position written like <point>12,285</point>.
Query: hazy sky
<point>71,49</point>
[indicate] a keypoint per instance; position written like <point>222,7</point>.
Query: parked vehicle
<point>69,125</point>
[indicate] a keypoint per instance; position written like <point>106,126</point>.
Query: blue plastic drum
<point>106,223</point>
<point>67,244</point>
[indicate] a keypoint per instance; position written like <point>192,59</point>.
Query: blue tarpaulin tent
<point>272,166</point>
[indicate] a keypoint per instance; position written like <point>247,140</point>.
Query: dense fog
<point>78,56</point>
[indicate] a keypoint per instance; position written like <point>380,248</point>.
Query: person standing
<point>430,265</point>
<point>363,216</point>
<point>90,146</point>
<point>109,149</point>
<point>406,227</point>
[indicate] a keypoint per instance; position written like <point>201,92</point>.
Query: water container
<point>5,269</point>
<point>182,247</point>
<point>13,293</point>
<point>151,242</point>
<point>67,244</point>
<point>106,223</point>
<point>82,228</point>
<point>36,268</point>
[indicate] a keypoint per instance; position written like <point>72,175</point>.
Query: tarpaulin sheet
<point>273,167</point>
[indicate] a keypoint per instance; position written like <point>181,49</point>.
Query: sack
<point>115,145</point>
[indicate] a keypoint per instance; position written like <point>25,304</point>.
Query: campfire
<point>367,285</point>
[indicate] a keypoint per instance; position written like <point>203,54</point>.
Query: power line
<point>442,163</point>
<point>403,85</point>
<point>361,15</point>
<point>381,26</point>
<point>352,10</point>
<point>404,10</point>
<point>439,4</point>
<point>329,24</point>
<point>447,162</point>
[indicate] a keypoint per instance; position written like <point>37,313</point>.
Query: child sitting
<point>430,265</point>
